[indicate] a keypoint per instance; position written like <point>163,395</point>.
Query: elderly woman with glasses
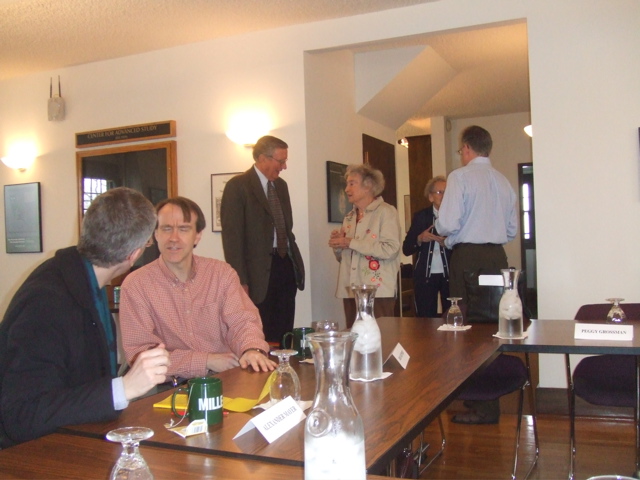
<point>431,269</point>
<point>368,244</point>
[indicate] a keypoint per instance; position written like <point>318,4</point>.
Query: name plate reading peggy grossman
<point>604,331</point>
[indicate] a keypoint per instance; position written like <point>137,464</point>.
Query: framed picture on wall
<point>22,218</point>
<point>218,182</point>
<point>338,205</point>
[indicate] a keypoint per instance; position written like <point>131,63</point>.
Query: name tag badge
<point>604,331</point>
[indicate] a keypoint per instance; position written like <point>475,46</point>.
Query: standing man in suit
<point>258,240</point>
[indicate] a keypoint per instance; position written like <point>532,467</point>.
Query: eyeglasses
<point>281,162</point>
<point>460,150</point>
<point>438,192</point>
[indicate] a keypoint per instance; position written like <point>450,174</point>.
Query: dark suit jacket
<point>248,232</point>
<point>421,221</point>
<point>54,360</point>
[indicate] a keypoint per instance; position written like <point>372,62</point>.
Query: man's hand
<point>148,370</point>
<point>219,362</point>
<point>427,236</point>
<point>257,361</point>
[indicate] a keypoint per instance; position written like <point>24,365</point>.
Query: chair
<point>607,380</point>
<point>506,373</point>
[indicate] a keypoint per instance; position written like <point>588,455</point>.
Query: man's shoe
<point>475,418</point>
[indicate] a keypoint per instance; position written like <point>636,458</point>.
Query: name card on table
<point>400,355</point>
<point>605,331</point>
<point>275,421</point>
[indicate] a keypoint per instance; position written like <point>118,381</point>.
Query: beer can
<point>116,294</point>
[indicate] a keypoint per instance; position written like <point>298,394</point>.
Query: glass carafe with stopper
<point>366,361</point>
<point>510,309</point>
<point>334,432</point>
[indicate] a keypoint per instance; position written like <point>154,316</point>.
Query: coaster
<point>451,328</point>
<point>524,335</point>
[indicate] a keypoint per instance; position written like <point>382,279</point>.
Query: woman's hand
<point>338,239</point>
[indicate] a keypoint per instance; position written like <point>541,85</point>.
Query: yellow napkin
<point>232,404</point>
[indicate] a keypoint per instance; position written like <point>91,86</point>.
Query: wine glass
<point>130,464</point>
<point>320,326</point>
<point>616,314</point>
<point>284,380</point>
<point>454,315</point>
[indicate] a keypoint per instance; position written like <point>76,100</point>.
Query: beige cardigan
<point>373,256</point>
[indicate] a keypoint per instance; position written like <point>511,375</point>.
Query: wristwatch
<point>257,350</point>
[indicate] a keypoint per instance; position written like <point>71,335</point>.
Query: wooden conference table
<point>394,410</point>
<point>72,457</point>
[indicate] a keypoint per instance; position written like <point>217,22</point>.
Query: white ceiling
<point>490,65</point>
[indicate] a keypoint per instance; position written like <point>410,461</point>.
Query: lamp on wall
<point>21,155</point>
<point>18,163</point>
<point>404,142</point>
<point>528,130</point>
<point>245,128</point>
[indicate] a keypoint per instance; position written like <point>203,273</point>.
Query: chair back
<point>598,311</point>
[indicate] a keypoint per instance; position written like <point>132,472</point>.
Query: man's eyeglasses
<point>438,192</point>
<point>281,162</point>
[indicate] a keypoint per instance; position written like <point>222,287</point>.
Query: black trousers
<point>425,294</point>
<point>471,256</point>
<point>278,308</point>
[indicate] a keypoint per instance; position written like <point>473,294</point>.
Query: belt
<point>460,245</point>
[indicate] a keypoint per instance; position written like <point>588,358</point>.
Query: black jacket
<point>54,361</point>
<point>422,269</point>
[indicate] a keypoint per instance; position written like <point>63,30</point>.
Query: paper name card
<point>491,280</point>
<point>400,355</point>
<point>597,331</point>
<point>275,421</point>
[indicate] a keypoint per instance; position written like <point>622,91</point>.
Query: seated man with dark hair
<point>194,305</point>
<point>57,340</point>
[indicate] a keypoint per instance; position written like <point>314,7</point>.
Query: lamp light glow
<point>246,128</point>
<point>21,156</point>
<point>528,130</point>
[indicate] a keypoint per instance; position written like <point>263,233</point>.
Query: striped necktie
<point>278,219</point>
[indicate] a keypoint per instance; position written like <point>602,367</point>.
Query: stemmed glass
<point>130,464</point>
<point>284,380</point>
<point>616,314</point>
<point>454,315</point>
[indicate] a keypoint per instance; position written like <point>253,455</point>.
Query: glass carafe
<point>510,309</point>
<point>334,432</point>
<point>366,361</point>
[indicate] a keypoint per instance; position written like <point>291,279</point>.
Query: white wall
<point>585,108</point>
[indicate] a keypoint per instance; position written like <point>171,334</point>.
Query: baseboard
<point>555,401</point>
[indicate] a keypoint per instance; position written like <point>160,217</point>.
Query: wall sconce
<point>528,130</point>
<point>18,163</point>
<point>247,127</point>
<point>21,155</point>
<point>404,142</point>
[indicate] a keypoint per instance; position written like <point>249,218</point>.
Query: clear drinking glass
<point>324,326</point>
<point>616,314</point>
<point>130,465</point>
<point>454,314</point>
<point>284,380</point>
